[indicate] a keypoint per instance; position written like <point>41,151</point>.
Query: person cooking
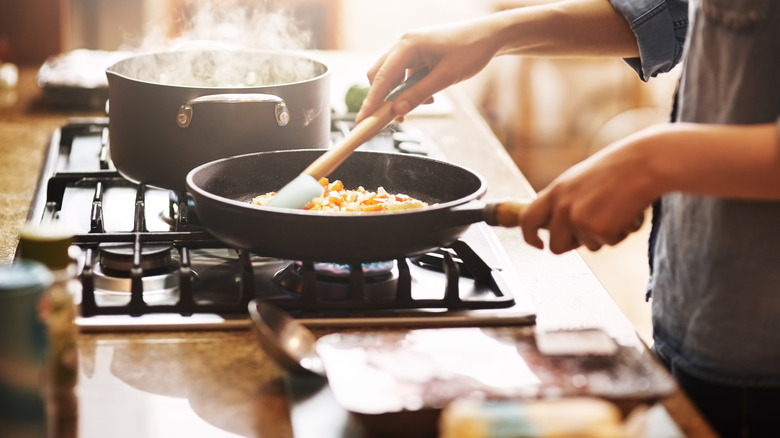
<point>713,174</point>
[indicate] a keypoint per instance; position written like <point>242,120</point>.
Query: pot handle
<point>184,116</point>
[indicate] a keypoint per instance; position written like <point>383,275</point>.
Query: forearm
<point>565,28</point>
<point>730,161</point>
<point>597,201</point>
<point>458,51</point>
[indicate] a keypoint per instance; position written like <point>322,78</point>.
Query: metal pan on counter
<point>222,191</point>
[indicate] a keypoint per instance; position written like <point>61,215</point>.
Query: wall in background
<point>373,24</point>
<point>104,24</point>
<point>31,30</point>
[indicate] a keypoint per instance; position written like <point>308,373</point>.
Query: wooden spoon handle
<point>361,133</point>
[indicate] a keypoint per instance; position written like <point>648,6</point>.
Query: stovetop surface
<point>80,186</point>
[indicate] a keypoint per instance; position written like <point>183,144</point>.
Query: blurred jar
<point>9,75</point>
<point>23,349</point>
<point>9,78</point>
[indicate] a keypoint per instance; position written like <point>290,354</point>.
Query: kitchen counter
<point>219,383</point>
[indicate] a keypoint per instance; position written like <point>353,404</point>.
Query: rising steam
<point>236,23</point>
<point>215,43</point>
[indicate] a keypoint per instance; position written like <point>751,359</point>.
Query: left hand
<point>597,202</point>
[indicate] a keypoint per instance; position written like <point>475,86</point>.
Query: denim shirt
<point>660,27</point>
<point>715,284</point>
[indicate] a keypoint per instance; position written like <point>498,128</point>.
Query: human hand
<point>452,52</point>
<point>597,202</point>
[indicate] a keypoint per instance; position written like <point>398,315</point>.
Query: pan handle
<point>185,113</point>
<point>504,213</point>
<point>507,213</point>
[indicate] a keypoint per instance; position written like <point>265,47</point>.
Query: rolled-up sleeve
<point>660,27</point>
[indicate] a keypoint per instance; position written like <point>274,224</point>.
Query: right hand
<point>452,52</point>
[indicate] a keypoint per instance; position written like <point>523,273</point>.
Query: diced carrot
<point>371,200</point>
<point>374,207</point>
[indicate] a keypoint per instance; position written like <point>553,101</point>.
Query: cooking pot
<point>171,111</point>
<point>222,191</point>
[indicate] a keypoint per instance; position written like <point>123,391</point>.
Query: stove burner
<point>374,271</point>
<point>335,281</point>
<point>116,258</point>
<point>112,276</point>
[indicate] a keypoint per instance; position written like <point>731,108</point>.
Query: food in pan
<point>336,198</point>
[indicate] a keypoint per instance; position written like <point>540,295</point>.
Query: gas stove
<point>146,263</point>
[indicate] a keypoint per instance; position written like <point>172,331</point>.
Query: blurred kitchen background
<point>549,113</point>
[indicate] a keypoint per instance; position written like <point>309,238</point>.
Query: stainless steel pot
<point>172,111</point>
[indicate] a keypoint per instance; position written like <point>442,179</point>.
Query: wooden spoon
<point>301,190</point>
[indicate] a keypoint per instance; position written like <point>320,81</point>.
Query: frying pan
<point>222,189</point>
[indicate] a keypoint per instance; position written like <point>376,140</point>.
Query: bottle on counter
<point>50,244</point>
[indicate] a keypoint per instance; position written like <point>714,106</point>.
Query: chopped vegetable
<point>355,97</point>
<point>336,198</point>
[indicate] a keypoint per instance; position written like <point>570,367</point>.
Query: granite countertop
<point>219,383</point>
<point>25,128</point>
